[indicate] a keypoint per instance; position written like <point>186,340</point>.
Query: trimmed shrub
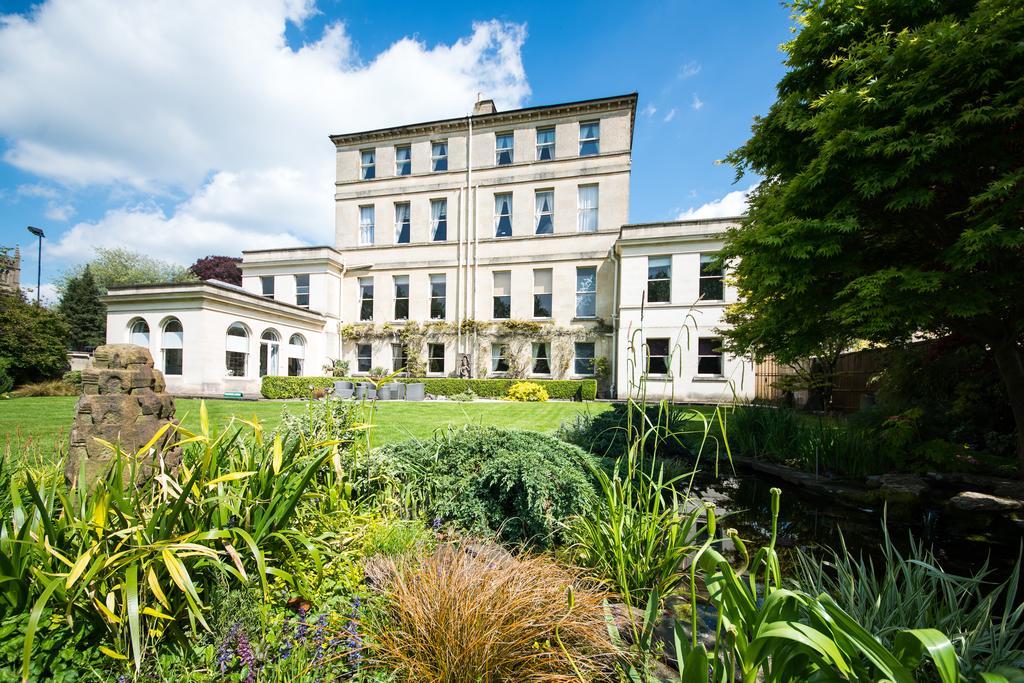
<point>516,483</point>
<point>563,389</point>
<point>610,433</point>
<point>526,391</point>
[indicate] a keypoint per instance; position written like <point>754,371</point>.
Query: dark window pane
<point>586,305</point>
<point>369,172</point>
<point>172,361</point>
<point>657,365</point>
<point>545,226</point>
<point>584,362</point>
<point>504,157</point>
<point>588,148</point>
<point>441,234</point>
<point>503,307</point>
<point>659,271</point>
<point>435,362</point>
<point>437,308</point>
<point>366,309</point>
<point>441,164</point>
<point>658,291</point>
<point>711,289</point>
<point>403,233</point>
<point>709,365</point>
<point>707,346</point>
<point>363,358</point>
<point>540,363</point>
<point>401,309</point>
<point>658,347</point>
<point>504,226</point>
<point>541,305</point>
<point>545,153</point>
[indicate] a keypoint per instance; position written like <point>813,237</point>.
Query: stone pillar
<point>123,402</point>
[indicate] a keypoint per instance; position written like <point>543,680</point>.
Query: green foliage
<point>893,190</point>
<point>32,338</point>
<point>319,421</point>
<point>568,389</point>
<point>336,367</point>
<point>112,267</point>
<point>84,312</point>
<point>515,483</point>
<point>526,391</point>
<point>667,430</point>
<point>466,396</point>
<point>6,381</point>
<point>983,619</point>
<point>52,387</point>
<point>226,516</point>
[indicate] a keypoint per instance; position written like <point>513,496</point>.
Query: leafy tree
<point>113,267</point>
<point>893,192</point>
<point>33,339</point>
<point>84,312</point>
<point>223,268</point>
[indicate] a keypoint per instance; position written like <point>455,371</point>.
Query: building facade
<point>495,244</point>
<point>10,269</point>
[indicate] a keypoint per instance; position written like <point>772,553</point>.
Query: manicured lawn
<point>48,420</point>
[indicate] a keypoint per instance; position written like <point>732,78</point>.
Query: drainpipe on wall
<point>459,289</point>
<point>614,369</point>
<point>476,246</point>
<point>469,222</point>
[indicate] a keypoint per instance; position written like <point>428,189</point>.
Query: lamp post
<point>39,262</point>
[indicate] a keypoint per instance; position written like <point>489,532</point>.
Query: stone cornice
<point>200,292</point>
<point>500,118</point>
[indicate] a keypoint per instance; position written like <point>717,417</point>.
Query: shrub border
<point>274,386</point>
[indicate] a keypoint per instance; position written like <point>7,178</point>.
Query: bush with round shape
<point>517,484</point>
<point>527,392</point>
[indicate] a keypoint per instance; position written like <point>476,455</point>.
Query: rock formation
<point>123,403</point>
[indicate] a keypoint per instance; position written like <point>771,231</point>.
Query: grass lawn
<point>44,421</point>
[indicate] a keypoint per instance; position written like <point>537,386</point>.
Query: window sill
<point>708,378</point>
<point>659,378</point>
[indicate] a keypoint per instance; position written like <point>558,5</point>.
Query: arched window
<point>138,333</point>
<point>237,356</point>
<point>172,344</point>
<point>270,353</point>
<point>296,354</point>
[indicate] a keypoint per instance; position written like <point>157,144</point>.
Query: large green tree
<point>892,203</point>
<point>33,339</point>
<point>84,312</point>
<point>113,267</point>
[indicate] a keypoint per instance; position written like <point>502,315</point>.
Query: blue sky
<point>182,129</point>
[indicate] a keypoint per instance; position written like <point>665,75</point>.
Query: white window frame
<point>534,356</point>
<point>366,228</point>
<point>364,166</point>
<point>587,217</point>
<point>435,157</point>
<point>539,214</point>
<point>595,139</point>
<point>399,163</point>
<point>576,358</point>
<point>648,356</point>
<point>586,293</point>
<point>395,280</point>
<point>368,357</point>
<point>511,149</point>
<point>407,222</point>
<point>545,145</point>
<point>550,294</point>
<point>498,216</point>
<point>302,290</point>
<point>172,344</point>
<point>442,217</point>
<point>499,352</point>
<point>366,292</point>
<point>659,279</point>
<point>442,279</point>
<point>720,355</point>
<point>718,276</point>
<point>431,347</point>
<point>264,279</point>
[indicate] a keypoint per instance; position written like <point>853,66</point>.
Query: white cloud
<point>59,212</point>
<point>670,115</point>
<point>649,111</point>
<point>697,103</point>
<point>729,206</point>
<point>49,294</point>
<point>205,104</point>
<point>689,70</point>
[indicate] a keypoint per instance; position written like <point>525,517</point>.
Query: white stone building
<point>495,244</point>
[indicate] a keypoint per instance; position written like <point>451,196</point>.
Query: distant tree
<point>83,311</point>
<point>223,268</point>
<point>893,196</point>
<point>112,267</point>
<point>33,339</point>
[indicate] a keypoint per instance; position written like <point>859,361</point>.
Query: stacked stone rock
<point>123,402</point>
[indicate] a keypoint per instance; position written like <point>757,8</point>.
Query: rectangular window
<point>368,164</point>
<point>503,143</point>
<point>402,220</point>
<point>583,362</point>
<point>712,284</point>
<point>439,156</point>
<point>235,363</point>
<point>657,356</point>
<point>365,225</point>
<point>545,144</point>
<point>403,160</point>
<point>172,361</point>
<point>586,292</point>
<point>590,138</point>
<point>586,208</point>
<point>544,202</point>
<point>542,293</point>
<point>541,365</point>
<point>364,357</point>
<point>397,357</point>
<point>302,290</point>
<point>709,356</point>
<point>435,358</point>
<point>438,220</point>
<point>366,298</point>
<point>659,279</point>
<point>294,367</point>
<point>502,294</point>
<point>401,297</point>
<point>502,215</point>
<point>438,296</point>
<point>499,358</point>
<point>267,284</point>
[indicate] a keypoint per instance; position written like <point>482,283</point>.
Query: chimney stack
<point>484,107</point>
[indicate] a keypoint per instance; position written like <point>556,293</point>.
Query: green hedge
<point>568,389</point>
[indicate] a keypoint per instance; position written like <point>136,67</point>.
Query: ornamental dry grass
<point>476,613</point>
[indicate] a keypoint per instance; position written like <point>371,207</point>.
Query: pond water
<point>961,541</point>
